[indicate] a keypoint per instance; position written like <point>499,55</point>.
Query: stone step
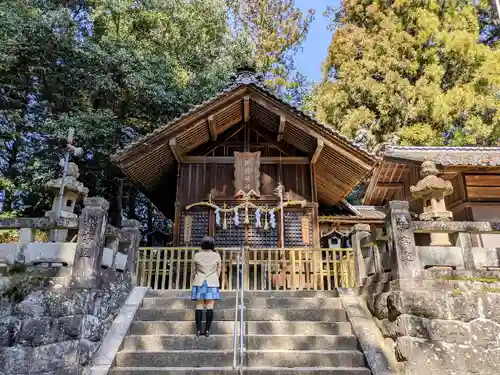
<point>230,371</point>
<point>224,358</point>
<point>252,328</point>
<point>251,314</point>
<point>253,293</point>
<point>225,342</point>
<point>250,302</point>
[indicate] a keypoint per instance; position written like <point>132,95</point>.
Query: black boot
<point>198,317</point>
<point>210,318</point>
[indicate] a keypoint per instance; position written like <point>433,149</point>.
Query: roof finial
<point>247,74</point>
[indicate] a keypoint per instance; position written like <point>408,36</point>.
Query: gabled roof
<point>447,156</point>
<point>399,164</point>
<point>340,167</point>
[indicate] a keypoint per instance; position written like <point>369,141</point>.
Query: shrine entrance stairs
<point>292,333</point>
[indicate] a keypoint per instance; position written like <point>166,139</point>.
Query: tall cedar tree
<point>411,70</point>
<point>275,31</point>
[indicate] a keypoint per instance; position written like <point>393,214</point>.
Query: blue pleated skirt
<point>205,292</point>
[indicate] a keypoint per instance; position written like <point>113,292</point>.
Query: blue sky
<point>315,48</point>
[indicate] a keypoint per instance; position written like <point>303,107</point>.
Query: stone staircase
<point>291,333</point>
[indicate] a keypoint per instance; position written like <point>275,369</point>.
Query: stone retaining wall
<point>68,300</point>
<point>451,331</point>
<point>56,332</point>
<point>437,306</point>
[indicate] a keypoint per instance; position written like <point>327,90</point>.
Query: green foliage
<point>274,30</point>
<point>412,70</point>
<point>116,69</point>
<point>8,235</point>
<point>110,69</point>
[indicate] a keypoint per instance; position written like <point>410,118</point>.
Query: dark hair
<point>207,243</point>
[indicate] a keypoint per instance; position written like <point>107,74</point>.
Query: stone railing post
<point>26,236</point>
<point>402,249</point>
<point>464,240</point>
<point>359,233</point>
<point>90,243</point>
<point>377,245</point>
<point>133,228</point>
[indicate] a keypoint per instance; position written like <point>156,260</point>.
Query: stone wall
<point>437,306</point>
<point>67,295</point>
<point>56,331</point>
<point>440,325</point>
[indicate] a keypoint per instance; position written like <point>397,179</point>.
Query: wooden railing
<point>265,269</point>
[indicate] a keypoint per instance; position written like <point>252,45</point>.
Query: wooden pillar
<point>314,192</point>
<point>177,218</point>
<point>211,223</point>
<point>279,227</point>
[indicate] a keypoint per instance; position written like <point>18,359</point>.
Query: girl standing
<point>205,286</point>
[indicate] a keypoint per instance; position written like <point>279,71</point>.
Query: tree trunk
<point>115,209</point>
<point>132,202</point>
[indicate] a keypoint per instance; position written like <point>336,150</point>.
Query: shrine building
<point>222,169</point>
<point>258,174</point>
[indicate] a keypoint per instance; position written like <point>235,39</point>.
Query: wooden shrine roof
<point>447,156</point>
<point>392,173</point>
<point>150,162</point>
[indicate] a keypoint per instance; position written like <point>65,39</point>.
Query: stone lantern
<point>432,190</point>
<point>73,191</point>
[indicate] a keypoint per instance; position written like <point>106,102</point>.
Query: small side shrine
<point>440,183</point>
<point>246,168</point>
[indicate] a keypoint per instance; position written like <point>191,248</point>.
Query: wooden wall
<point>482,187</point>
<point>199,180</point>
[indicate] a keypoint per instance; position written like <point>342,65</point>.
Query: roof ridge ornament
<point>247,75</point>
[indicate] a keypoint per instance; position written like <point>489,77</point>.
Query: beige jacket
<point>206,262</point>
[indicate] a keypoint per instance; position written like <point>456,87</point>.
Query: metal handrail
<point>238,313</point>
<point>235,344</point>
<point>242,308</point>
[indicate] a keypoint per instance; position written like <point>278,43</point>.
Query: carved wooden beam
<point>175,150</point>
<point>211,127</point>
<point>246,108</point>
<point>317,152</point>
<point>230,160</point>
<point>281,128</point>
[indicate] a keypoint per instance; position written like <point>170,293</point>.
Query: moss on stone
<point>21,284</point>
<point>490,289</point>
<point>480,279</point>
